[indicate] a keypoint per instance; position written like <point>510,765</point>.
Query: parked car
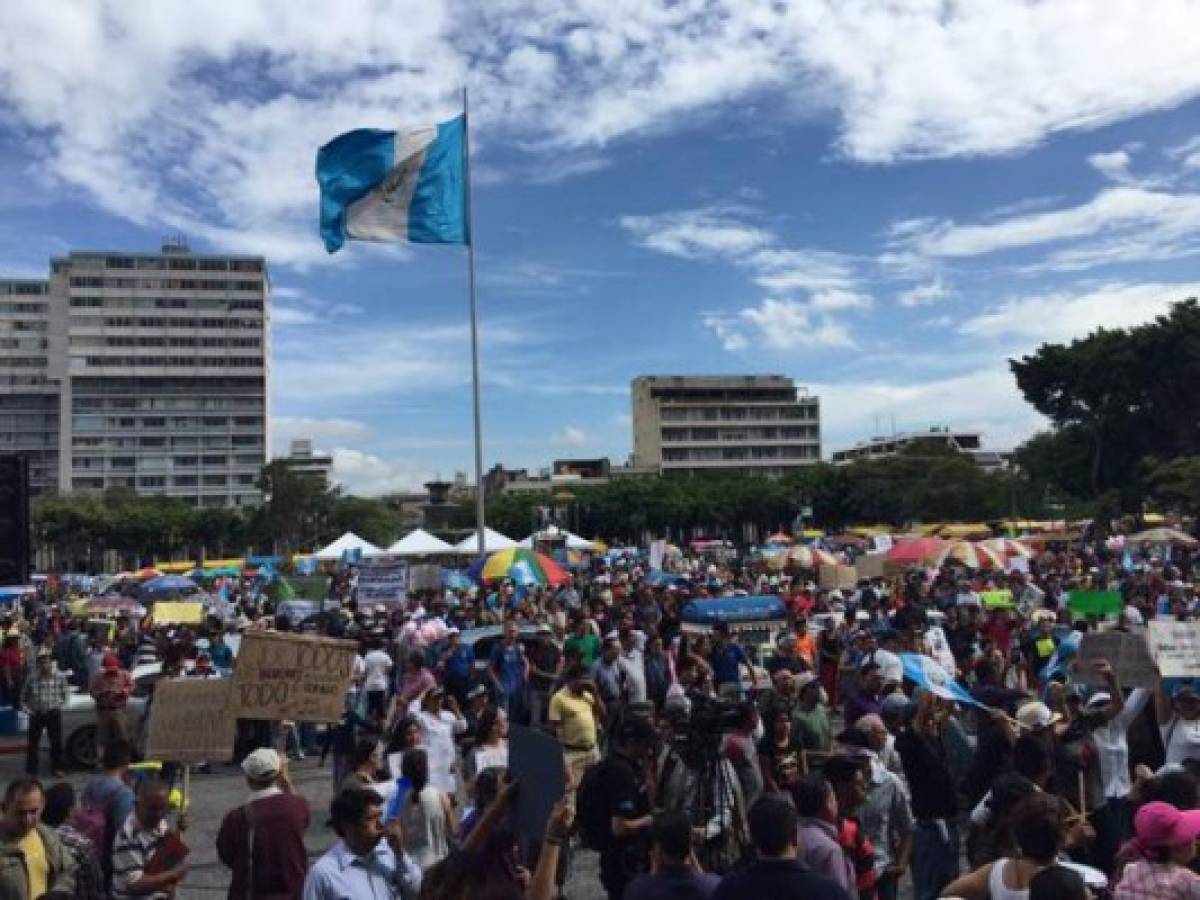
<point>79,716</point>
<point>484,639</point>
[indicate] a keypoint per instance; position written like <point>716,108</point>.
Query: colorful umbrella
<point>965,553</point>
<point>1008,548</point>
<point>913,551</point>
<point>520,565</point>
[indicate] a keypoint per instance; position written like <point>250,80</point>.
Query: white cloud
<point>925,294</point>
<point>777,325</point>
<point>285,428</point>
<point>1064,315</point>
<point>570,436</point>
<point>288,315</point>
<point>696,233</point>
<point>1114,165</point>
<point>368,475</point>
<point>204,117</point>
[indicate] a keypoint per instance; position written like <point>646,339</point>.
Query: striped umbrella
<point>520,565</point>
<point>810,558</point>
<point>967,554</point>
<point>1008,548</point>
<point>913,551</point>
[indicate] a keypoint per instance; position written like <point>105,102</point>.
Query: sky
<point>883,201</point>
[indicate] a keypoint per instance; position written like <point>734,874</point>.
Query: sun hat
<point>1160,824</point>
<point>262,763</point>
<point>1036,715</point>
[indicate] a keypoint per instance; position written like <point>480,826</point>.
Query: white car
<point>79,717</point>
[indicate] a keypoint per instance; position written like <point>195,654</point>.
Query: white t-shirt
<point>1182,739</point>
<point>376,666</point>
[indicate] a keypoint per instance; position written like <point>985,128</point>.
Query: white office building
<point>749,424</point>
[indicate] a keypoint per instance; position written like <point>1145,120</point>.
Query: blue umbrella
<point>169,584</point>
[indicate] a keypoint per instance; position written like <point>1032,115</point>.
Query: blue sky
<point>883,201</point>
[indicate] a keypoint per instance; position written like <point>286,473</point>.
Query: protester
<point>33,861</point>
<point>262,840</point>
<point>1038,830</point>
<point>819,847</point>
<point>1167,836</point>
<point>110,688</point>
<point>44,696</point>
<point>623,789</point>
<point>89,876</point>
<point>509,670</point>
<point>139,839</point>
<point>674,874</point>
<point>106,804</point>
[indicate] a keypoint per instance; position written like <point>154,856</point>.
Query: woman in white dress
<point>491,745</point>
<point>426,816</point>
<point>438,729</point>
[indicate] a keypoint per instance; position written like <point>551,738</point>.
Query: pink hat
<point>1162,825</point>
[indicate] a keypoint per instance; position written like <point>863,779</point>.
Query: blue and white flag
<point>928,674</point>
<point>1067,650</point>
<point>395,186</point>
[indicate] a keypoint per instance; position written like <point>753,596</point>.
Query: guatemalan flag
<point>395,186</point>
<point>927,673</point>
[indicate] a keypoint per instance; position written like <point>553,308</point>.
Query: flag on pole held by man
<point>927,673</point>
<point>395,186</point>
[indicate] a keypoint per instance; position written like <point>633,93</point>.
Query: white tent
<point>348,542</point>
<point>419,543</point>
<point>492,541</point>
<point>553,532</point>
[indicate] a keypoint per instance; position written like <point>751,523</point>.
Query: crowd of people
<point>696,765</point>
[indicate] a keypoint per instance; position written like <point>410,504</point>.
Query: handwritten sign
<point>382,582</point>
<point>1128,653</point>
<point>837,577</point>
<point>1176,648</point>
<point>188,722</point>
<point>290,676</point>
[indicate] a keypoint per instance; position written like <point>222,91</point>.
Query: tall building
<point>969,442</point>
<point>303,461</point>
<point>142,371</point>
<point>29,395</point>
<point>749,424</point>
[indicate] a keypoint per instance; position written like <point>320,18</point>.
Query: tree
<point>1174,484</point>
<point>296,510</point>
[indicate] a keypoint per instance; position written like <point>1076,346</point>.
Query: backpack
<point>593,816</point>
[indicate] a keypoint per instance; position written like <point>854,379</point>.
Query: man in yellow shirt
<point>574,713</point>
<point>33,863</point>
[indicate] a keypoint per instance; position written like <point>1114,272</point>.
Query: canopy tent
<point>419,543</point>
<point>554,534</point>
<point>1163,536</point>
<point>348,543</point>
<point>492,541</point>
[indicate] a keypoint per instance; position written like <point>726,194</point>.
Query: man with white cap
<point>262,841</point>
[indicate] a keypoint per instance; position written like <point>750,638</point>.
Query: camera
<point>697,737</point>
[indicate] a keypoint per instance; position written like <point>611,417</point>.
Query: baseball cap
<point>262,763</point>
<point>1160,824</point>
<point>1035,715</point>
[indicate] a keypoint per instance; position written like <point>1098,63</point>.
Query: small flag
<point>1067,650</point>
<point>928,674</point>
<point>395,186</point>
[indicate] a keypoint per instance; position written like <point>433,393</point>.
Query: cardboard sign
<point>290,676</point>
<point>535,759</point>
<point>424,578</point>
<point>384,582</point>
<point>1176,647</point>
<point>1098,603</point>
<point>837,578</point>
<point>188,722</point>
<point>871,565</point>
<point>1128,653</point>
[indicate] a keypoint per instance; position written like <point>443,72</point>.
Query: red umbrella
<point>913,551</point>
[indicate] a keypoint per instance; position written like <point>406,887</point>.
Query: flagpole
<point>479,509</point>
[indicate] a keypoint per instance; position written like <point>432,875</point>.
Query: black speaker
<point>14,520</point>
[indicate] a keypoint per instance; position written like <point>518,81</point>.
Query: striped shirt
<point>133,849</point>
<point>45,693</point>
<point>89,879</point>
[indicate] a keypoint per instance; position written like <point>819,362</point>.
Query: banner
<point>290,676</point>
<point>178,612</point>
<point>423,577</point>
<point>188,722</point>
<point>1098,603</point>
<point>658,552</point>
<point>1129,655</point>
<point>383,582</point>
<point>997,599</point>
<point>1175,647</point>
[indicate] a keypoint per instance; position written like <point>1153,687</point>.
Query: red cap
<point>1162,825</point>
<point>111,663</point>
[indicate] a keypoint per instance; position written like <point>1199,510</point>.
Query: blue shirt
<point>460,661</point>
<point>379,875</point>
<point>509,665</point>
<point>726,663</point>
<point>221,655</point>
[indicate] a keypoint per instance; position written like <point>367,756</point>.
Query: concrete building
<point>160,364</point>
<point>969,442</point>
<point>29,394</point>
<point>303,461</point>
<point>747,424</point>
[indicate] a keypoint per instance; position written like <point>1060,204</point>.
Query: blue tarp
<point>659,579</point>
<point>734,610</point>
<point>15,592</point>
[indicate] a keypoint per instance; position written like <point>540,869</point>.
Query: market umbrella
<point>913,551</point>
<point>1163,536</point>
<point>1008,547</point>
<point>965,553</point>
<point>113,606</point>
<point>169,585</point>
<point>519,565</point>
